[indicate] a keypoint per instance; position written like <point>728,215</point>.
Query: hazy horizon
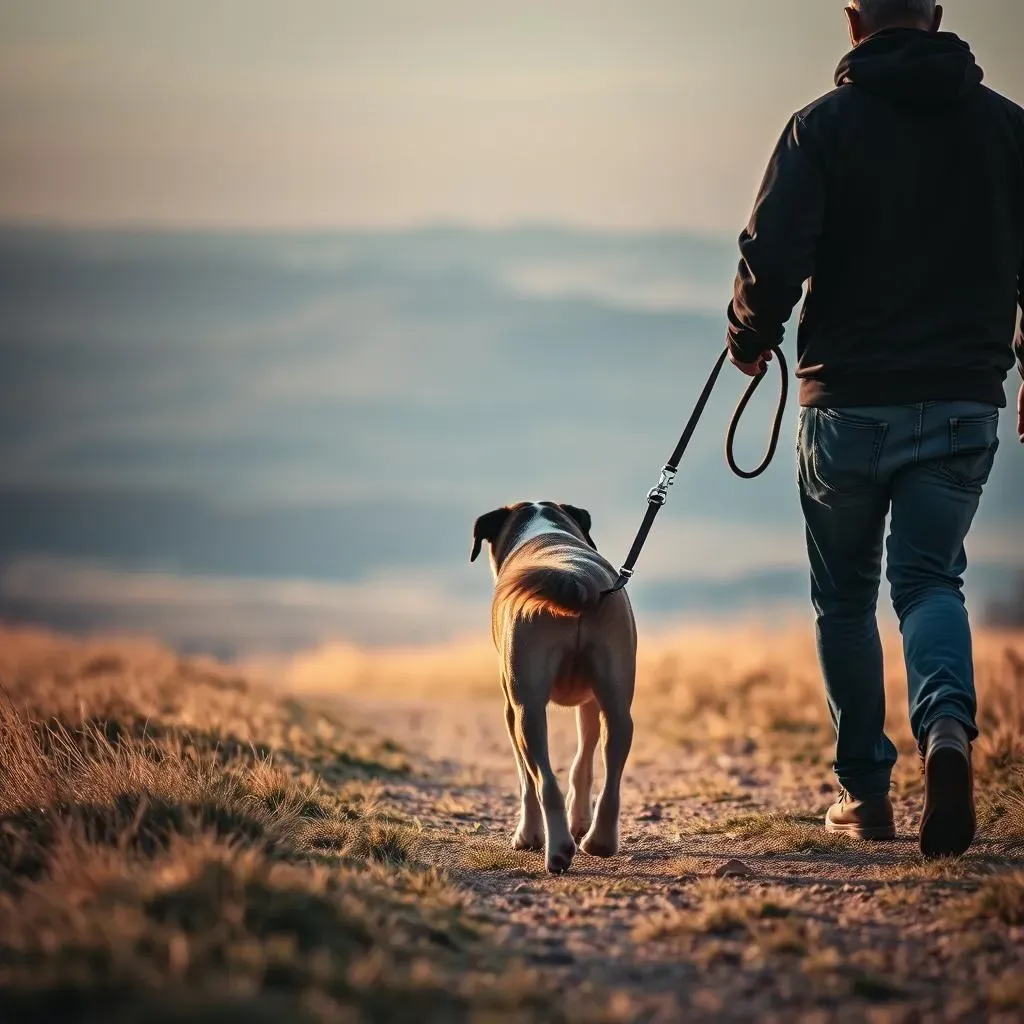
<point>244,442</point>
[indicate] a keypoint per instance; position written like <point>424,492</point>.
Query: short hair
<point>885,12</point>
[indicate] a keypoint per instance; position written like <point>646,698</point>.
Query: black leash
<point>658,494</point>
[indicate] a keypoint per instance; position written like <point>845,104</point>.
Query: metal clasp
<point>658,494</point>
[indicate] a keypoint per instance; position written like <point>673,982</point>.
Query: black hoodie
<point>900,196</point>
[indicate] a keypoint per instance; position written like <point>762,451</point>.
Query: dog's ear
<point>487,527</point>
<point>582,519</point>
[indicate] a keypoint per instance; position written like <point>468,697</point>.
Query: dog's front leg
<point>581,778</point>
<point>603,838</point>
<point>529,835</point>
<point>532,733</point>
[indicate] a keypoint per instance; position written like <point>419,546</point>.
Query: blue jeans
<point>927,463</point>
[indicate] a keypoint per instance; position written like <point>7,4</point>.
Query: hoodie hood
<point>908,66</point>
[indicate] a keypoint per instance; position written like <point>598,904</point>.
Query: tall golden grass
<point>748,687</point>
<point>180,841</point>
<point>178,844</point>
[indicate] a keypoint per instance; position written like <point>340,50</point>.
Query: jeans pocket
<point>973,442</point>
<point>841,452</point>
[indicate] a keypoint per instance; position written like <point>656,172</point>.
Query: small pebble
<point>733,869</point>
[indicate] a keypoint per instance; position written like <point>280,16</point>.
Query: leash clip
<point>658,494</point>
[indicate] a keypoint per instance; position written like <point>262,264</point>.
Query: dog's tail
<point>561,582</point>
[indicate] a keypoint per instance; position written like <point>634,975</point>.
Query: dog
<point>559,640</point>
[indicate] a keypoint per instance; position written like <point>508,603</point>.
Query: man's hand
<point>759,367</point>
<point>1020,414</point>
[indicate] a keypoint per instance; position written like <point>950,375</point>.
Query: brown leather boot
<point>948,822</point>
<point>870,818</point>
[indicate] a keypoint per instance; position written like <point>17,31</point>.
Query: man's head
<point>867,17</point>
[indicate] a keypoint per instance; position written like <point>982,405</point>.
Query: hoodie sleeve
<point>1018,344</point>
<point>1018,341</point>
<point>779,245</point>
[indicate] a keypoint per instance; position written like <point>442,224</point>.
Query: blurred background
<point>291,292</point>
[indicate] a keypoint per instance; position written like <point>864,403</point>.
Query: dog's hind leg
<point>531,723</point>
<point>617,737</point>
<point>529,834</point>
<point>581,778</point>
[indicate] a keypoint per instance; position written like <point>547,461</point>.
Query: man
<point>900,197</point>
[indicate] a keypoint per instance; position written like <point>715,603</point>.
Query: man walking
<point>900,197</point>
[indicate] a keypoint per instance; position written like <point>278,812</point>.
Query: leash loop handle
<point>741,408</point>
<point>657,496</point>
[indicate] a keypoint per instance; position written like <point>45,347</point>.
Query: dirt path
<point>810,927</point>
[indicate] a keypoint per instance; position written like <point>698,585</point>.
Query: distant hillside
<point>239,441</point>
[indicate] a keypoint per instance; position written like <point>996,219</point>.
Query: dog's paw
<point>525,839</point>
<point>559,858</point>
<point>600,846</point>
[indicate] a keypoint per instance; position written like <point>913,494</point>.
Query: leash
<point>658,495</point>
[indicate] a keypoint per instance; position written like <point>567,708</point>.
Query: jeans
<point>927,463</point>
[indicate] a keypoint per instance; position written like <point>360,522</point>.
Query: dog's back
<point>546,565</point>
<point>553,574</point>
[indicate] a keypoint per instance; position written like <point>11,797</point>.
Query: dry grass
<point>587,890</point>
<point>722,925</point>
<point>771,834</point>
<point>169,849</point>
<point>1001,807</point>
<point>838,978</point>
<point>462,669</point>
<point>951,871</point>
<point>856,931</point>
<point>750,691</point>
<point>1007,992</point>
<point>1000,898</point>
<point>481,856</point>
<point>176,842</point>
<point>716,907</point>
<point>761,695</point>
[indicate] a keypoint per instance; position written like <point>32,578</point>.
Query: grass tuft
<point>1000,898</point>
<point>499,857</point>
<point>771,834</point>
<point>1001,809</point>
<point>715,908</point>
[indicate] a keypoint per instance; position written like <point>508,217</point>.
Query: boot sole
<point>873,833</point>
<point>948,823</point>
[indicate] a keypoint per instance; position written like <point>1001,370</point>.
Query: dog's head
<point>503,526</point>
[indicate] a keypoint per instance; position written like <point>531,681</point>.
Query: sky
<point>635,114</point>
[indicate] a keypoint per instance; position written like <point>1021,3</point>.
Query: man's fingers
<point>755,369</point>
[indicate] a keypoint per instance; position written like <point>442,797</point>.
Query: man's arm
<point>779,245</point>
<point>1018,345</point>
<point>1018,348</point>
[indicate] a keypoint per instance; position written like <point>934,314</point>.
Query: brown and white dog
<point>558,641</point>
